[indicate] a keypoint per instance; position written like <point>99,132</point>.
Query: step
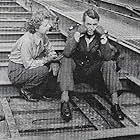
<point>130,83</point>
<point>8,2</point>
<point>5,49</point>
<point>4,80</point>
<point>10,35</point>
<point>134,80</point>
<point>7,35</point>
<point>12,22</point>
<point>56,35</point>
<point>7,41</point>
<point>12,9</point>
<point>12,29</point>
<point>6,87</point>
<point>15,14</point>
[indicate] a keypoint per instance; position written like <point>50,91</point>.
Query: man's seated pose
<point>87,48</point>
<point>30,67</point>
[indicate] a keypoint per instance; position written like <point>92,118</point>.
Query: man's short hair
<point>36,20</point>
<point>91,13</point>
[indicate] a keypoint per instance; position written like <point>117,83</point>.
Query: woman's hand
<point>52,56</point>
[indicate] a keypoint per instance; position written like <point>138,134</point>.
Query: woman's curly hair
<point>36,20</point>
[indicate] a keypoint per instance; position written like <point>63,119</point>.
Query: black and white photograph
<point>69,69</point>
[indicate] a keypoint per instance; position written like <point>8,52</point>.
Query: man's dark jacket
<point>94,55</point>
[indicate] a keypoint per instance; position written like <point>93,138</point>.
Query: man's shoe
<point>117,112</point>
<point>65,111</point>
<point>27,95</point>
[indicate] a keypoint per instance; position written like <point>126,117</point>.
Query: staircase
<point>12,20</point>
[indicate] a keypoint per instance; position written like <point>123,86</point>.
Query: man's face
<point>91,25</point>
<point>45,26</point>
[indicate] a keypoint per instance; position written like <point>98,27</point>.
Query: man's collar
<point>90,39</point>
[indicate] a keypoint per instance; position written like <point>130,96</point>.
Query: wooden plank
<point>9,117</point>
<point>98,122</point>
<point>126,122</point>
<point>115,134</point>
<point>18,105</point>
<point>49,121</point>
<point>4,130</point>
<point>102,111</point>
<point>44,116</point>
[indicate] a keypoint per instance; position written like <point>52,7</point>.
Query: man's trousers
<point>101,79</point>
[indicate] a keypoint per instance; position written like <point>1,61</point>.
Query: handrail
<point>111,36</point>
<point>121,5</point>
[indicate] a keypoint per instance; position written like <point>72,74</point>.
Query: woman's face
<point>45,26</point>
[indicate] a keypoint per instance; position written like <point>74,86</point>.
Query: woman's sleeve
<point>27,56</point>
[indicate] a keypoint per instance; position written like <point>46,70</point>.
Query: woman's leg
<point>27,79</point>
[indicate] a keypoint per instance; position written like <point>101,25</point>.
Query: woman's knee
<point>42,71</point>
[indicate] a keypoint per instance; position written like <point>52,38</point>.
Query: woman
<point>29,66</point>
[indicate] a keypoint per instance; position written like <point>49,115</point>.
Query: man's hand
<point>102,33</point>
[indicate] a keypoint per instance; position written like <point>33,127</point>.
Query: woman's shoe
<point>43,98</point>
<point>2,118</point>
<point>65,111</point>
<point>27,95</point>
<point>117,112</point>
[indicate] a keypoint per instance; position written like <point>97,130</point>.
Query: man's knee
<point>66,60</point>
<point>67,63</point>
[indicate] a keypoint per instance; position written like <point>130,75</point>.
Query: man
<point>86,49</point>
<point>30,67</point>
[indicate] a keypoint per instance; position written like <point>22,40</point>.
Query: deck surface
<point>26,114</point>
<point>89,113</point>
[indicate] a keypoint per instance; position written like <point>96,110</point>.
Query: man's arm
<point>107,50</point>
<point>74,35</point>
<point>71,43</point>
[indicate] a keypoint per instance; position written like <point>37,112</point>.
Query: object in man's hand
<point>82,29</point>
<point>100,30</point>
<point>52,55</point>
